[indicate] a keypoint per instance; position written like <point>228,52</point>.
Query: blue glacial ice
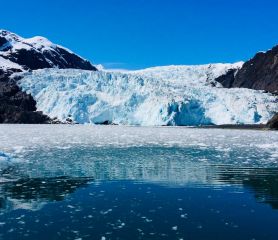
<point>170,95</point>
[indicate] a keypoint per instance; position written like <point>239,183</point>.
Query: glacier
<point>169,95</point>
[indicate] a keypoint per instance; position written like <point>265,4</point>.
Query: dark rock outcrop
<point>260,73</point>
<point>18,55</point>
<point>3,41</point>
<point>17,106</point>
<point>228,79</point>
<point>273,122</point>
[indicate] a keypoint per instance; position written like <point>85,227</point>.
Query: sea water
<point>114,182</point>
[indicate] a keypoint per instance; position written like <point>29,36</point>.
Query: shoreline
<point>262,127</point>
<point>239,126</point>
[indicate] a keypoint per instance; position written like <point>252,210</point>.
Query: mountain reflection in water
<point>262,182</point>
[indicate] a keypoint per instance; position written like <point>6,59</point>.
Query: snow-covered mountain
<point>171,95</point>
<point>38,52</point>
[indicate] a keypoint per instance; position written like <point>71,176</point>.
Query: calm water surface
<point>111,182</point>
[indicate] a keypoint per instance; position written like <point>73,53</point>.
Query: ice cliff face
<point>172,95</point>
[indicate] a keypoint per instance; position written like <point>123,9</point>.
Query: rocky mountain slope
<point>19,54</point>
<point>260,73</point>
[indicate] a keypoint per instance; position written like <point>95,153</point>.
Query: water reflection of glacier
<point>47,163</point>
<point>34,193</point>
<point>164,165</point>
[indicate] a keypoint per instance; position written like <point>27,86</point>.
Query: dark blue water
<point>173,183</point>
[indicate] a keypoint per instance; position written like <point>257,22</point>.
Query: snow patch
<point>6,64</point>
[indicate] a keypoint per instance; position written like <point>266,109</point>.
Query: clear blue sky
<point>141,33</point>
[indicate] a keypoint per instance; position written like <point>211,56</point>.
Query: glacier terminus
<point>169,95</point>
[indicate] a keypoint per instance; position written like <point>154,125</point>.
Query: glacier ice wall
<point>171,95</point>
